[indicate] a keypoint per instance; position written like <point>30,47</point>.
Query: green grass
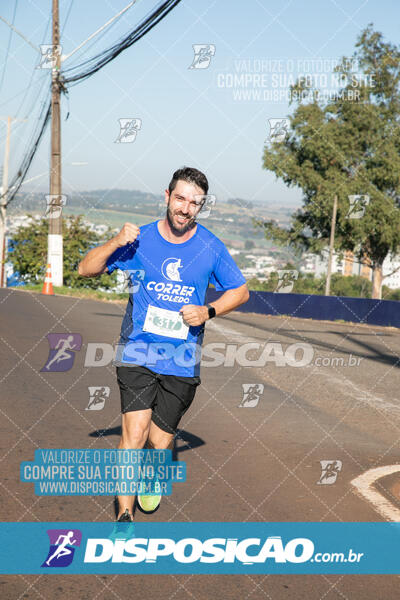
<point>109,217</point>
<point>77,292</point>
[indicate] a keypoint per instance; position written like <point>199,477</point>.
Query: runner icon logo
<point>133,279</point>
<point>279,129</point>
<point>49,55</point>
<point>170,269</point>
<point>97,397</point>
<point>251,394</point>
<point>62,351</point>
<point>357,206</point>
<point>286,281</point>
<point>128,130</point>
<point>330,471</point>
<point>202,55</point>
<point>63,543</point>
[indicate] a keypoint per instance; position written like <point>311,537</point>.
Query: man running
<point>158,366</point>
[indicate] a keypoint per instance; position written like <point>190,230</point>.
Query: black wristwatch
<point>211,311</point>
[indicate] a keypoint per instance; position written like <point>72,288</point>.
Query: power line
<point>19,33</point>
<point>90,66</point>
<point>23,91</point>
<point>8,46</point>
<point>28,158</point>
<point>34,69</point>
<point>98,38</point>
<point>37,97</point>
<point>97,62</point>
<point>102,28</point>
<point>67,17</point>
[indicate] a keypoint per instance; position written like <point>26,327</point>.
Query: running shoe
<point>126,517</point>
<point>150,503</point>
<point>124,527</point>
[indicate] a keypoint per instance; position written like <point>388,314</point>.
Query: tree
<point>348,145</point>
<point>28,252</point>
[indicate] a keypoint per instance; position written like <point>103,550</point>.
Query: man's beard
<point>182,228</point>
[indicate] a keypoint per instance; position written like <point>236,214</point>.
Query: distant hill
<point>231,220</point>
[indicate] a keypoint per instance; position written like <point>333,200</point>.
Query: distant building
<point>351,265</point>
<point>389,265</point>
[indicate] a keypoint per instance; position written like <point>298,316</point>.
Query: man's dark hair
<point>190,175</point>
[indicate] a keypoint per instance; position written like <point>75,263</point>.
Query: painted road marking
<point>363,484</point>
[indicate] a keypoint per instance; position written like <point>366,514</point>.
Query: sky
<point>215,118</point>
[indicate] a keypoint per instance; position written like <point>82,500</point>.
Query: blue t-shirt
<point>167,276</point>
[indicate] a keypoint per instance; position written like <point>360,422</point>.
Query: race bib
<point>168,323</point>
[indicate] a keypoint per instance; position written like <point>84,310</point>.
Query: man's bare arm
<point>231,299</point>
<point>94,263</point>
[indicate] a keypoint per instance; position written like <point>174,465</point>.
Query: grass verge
<point>76,292</point>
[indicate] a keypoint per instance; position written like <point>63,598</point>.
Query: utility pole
<point>3,205</point>
<point>55,239</point>
<point>331,245</point>
<point>54,210</point>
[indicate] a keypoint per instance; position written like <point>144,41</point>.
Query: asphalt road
<point>259,462</point>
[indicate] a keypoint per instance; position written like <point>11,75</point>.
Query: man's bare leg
<point>135,431</point>
<point>159,439</point>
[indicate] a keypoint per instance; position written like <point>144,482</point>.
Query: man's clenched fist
<point>194,315</point>
<point>127,235</point>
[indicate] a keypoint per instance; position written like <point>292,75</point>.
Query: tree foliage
<point>28,252</point>
<point>352,286</point>
<point>343,146</point>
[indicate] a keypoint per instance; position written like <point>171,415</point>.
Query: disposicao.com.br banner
<point>213,548</point>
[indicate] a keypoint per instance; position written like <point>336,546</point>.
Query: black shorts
<point>169,396</point>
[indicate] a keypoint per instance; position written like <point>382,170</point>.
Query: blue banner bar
<point>213,548</point>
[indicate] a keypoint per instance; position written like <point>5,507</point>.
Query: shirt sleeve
<point>226,275</point>
<point>120,259</point>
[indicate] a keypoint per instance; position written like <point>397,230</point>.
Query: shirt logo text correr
<point>168,291</point>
